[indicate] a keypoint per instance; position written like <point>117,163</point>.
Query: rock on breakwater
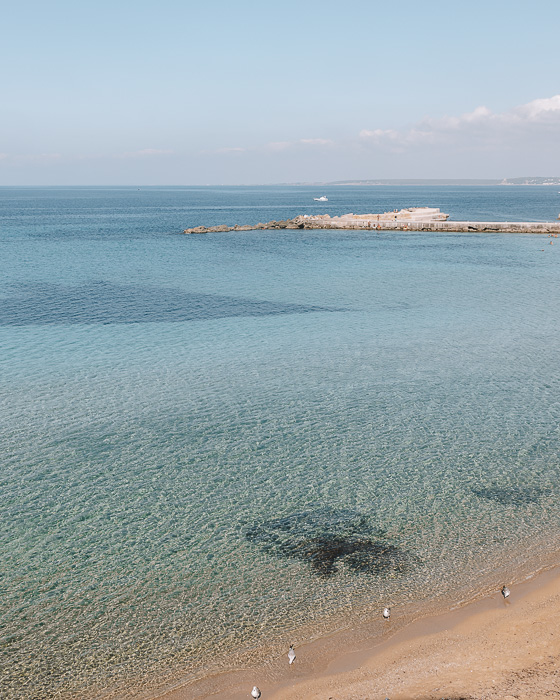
<point>288,223</point>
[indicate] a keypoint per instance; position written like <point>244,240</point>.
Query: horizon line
<point>370,182</point>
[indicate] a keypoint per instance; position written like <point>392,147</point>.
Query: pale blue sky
<point>252,92</point>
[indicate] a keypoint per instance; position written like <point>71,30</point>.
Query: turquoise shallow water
<point>211,445</point>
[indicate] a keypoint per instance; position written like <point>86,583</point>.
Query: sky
<point>245,92</point>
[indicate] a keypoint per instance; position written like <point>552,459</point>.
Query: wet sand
<point>492,648</point>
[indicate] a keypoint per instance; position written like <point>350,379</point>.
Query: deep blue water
<point>129,212</point>
<point>225,442</point>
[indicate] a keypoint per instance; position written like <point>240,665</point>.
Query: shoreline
<point>482,649</point>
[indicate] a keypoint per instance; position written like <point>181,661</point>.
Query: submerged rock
<point>509,495</point>
<point>328,538</point>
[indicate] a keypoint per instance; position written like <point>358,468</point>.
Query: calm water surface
<point>211,445</point>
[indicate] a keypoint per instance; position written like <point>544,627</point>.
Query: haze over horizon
<point>247,93</point>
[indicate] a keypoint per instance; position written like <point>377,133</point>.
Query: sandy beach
<point>492,648</point>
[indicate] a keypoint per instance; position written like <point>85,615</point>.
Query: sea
<point>215,445</point>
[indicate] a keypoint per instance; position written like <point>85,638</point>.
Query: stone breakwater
<point>375,222</point>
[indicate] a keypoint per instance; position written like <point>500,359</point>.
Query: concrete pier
<point>359,223</point>
<point>411,219</point>
<point>445,226</point>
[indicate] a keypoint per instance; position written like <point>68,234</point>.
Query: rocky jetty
<point>411,219</point>
<point>287,223</point>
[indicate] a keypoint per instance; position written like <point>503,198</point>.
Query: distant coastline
<point>379,182</point>
<point>534,181</point>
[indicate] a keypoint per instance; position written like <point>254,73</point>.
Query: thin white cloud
<point>316,142</point>
<point>278,145</point>
<point>298,143</point>
<point>24,158</point>
<point>480,127</point>
<point>145,153</point>
<point>273,147</point>
<point>234,149</point>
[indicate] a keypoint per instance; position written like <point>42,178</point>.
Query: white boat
<point>320,199</point>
